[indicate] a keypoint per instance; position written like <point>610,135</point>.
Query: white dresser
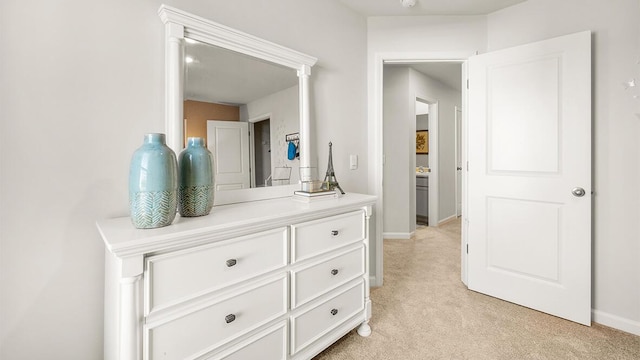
<point>271,279</point>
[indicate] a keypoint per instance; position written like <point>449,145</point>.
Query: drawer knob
<point>334,232</point>
<point>229,318</point>
<point>231,262</point>
<point>334,311</point>
<point>334,272</point>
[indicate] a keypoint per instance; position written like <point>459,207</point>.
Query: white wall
<point>284,119</point>
<point>427,34</point>
<point>616,129</point>
<point>399,120</point>
<point>82,81</point>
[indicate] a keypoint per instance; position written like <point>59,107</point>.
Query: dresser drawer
<point>270,344</point>
<point>321,319</point>
<point>183,274</point>
<point>206,328</point>
<point>318,236</point>
<point>316,279</point>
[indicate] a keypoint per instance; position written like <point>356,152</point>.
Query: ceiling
<point>428,7</point>
<point>254,79</point>
<point>226,77</point>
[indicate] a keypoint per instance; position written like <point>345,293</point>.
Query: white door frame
<point>458,156</point>
<point>375,146</point>
<point>252,150</point>
<point>464,231</point>
<point>434,217</point>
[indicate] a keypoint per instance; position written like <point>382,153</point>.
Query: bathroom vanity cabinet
<point>271,279</point>
<point>422,197</point>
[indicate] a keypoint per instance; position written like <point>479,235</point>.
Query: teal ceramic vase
<point>195,179</point>
<point>153,184</point>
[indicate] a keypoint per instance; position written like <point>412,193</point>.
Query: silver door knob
<point>578,192</point>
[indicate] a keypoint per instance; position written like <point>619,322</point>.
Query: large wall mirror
<point>222,84</point>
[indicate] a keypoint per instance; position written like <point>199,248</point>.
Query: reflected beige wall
<point>196,114</point>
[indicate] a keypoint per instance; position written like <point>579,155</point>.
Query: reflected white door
<point>529,155</point>
<point>228,141</point>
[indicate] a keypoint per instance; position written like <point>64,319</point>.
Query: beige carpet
<point>423,311</point>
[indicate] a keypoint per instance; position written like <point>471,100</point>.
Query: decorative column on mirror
<point>303,92</point>
<point>174,85</point>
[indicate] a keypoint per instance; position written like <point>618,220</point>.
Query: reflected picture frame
<point>422,141</point>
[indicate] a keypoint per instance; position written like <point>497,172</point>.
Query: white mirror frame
<point>180,24</point>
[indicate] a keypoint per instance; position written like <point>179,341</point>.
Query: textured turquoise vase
<point>195,179</point>
<point>153,184</point>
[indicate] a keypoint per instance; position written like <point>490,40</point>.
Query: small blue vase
<point>153,184</point>
<point>195,181</point>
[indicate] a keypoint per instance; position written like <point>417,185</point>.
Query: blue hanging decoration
<point>292,151</point>
<point>293,148</point>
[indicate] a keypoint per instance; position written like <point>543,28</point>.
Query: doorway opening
<point>422,166</point>
<point>262,152</point>
<point>441,181</point>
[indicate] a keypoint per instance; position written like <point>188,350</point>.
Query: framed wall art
<point>422,142</point>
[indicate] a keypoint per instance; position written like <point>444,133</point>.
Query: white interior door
<point>529,155</point>
<point>228,141</point>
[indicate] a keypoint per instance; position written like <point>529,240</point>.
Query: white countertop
<point>122,239</point>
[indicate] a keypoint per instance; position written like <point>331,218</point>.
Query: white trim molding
<point>616,322</point>
<point>396,236</point>
<point>376,167</point>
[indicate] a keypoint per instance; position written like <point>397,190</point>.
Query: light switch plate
<point>353,162</point>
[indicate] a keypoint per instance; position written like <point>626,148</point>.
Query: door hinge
<point>467,166</point>
<point>467,248</point>
<point>467,84</point>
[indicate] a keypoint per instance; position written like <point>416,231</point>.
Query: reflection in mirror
<point>181,25</point>
<point>244,107</point>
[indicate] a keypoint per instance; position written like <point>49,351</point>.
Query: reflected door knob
<point>578,192</point>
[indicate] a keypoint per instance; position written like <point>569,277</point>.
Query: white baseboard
<point>615,322</point>
<point>393,235</point>
<point>446,220</point>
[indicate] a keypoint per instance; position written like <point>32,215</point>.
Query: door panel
<point>534,253</point>
<point>529,145</point>
<point>524,118</point>
<point>228,141</point>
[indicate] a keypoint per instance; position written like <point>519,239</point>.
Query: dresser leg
<point>364,329</point>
